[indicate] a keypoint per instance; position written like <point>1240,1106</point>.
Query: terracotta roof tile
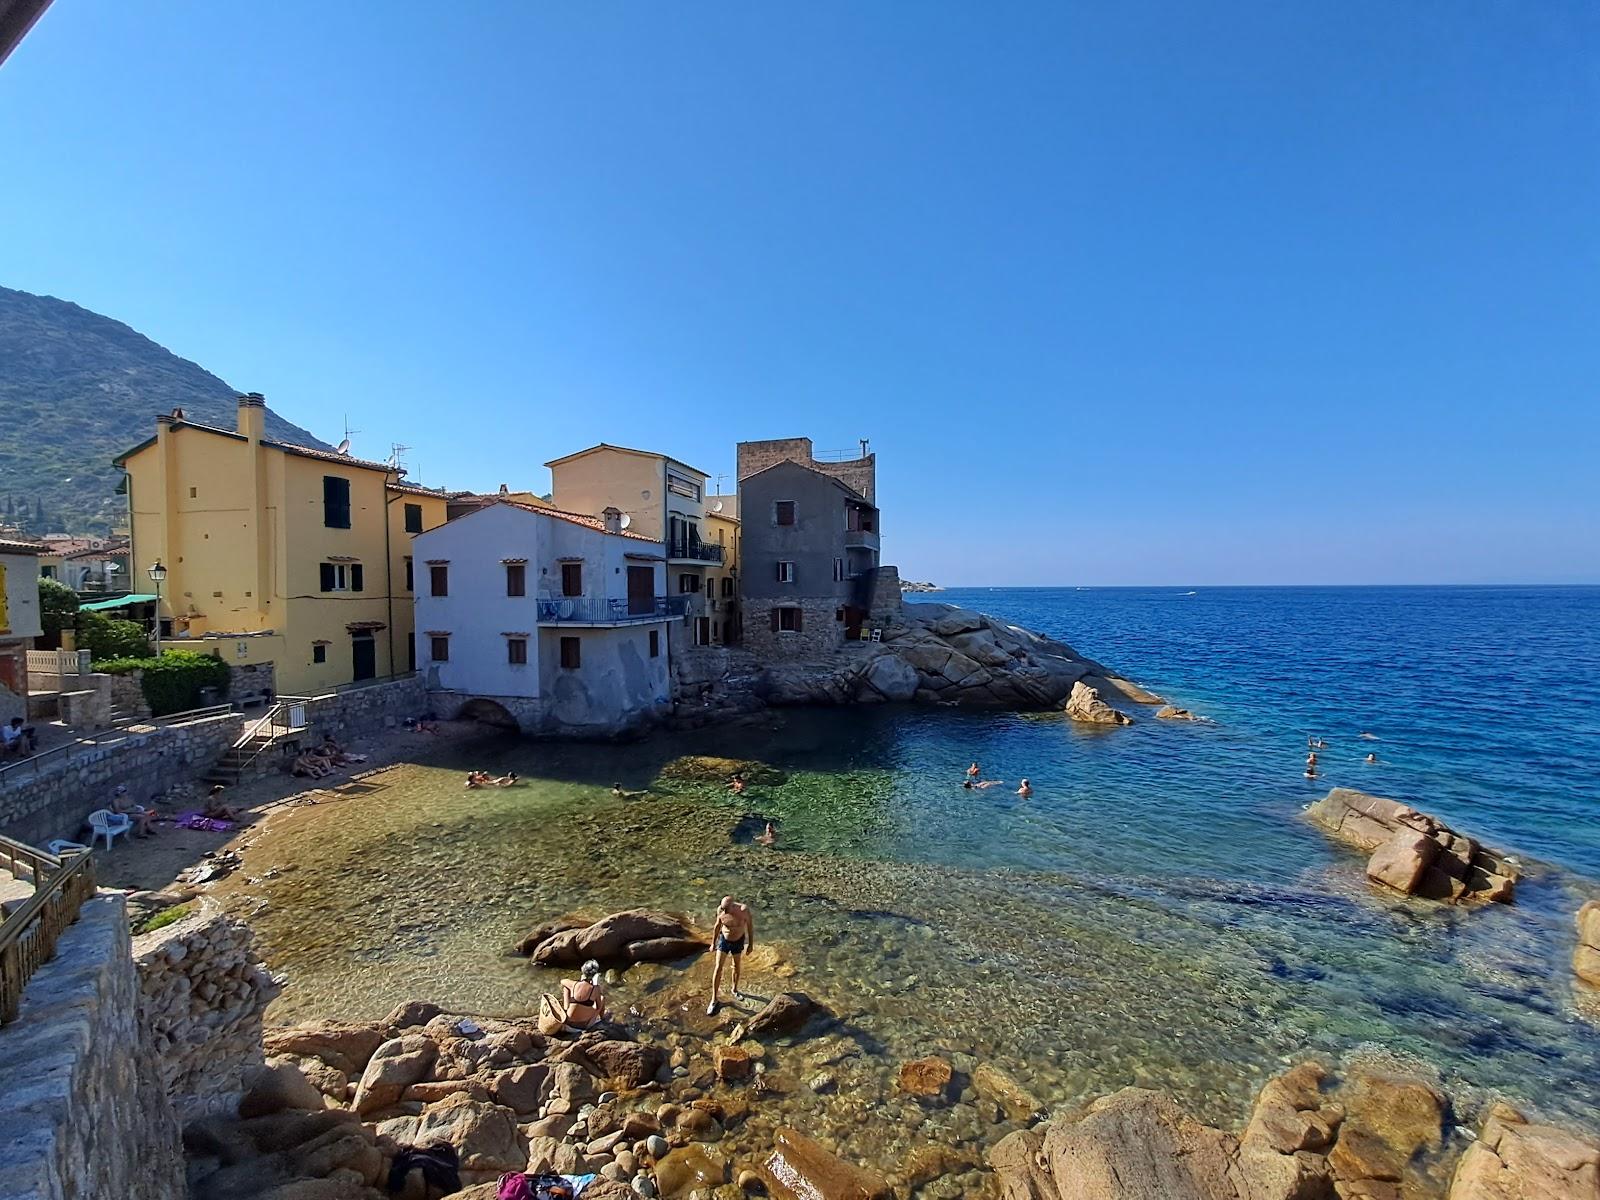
<point>14,546</point>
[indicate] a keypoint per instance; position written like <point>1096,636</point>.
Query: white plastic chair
<point>60,845</point>
<point>107,824</point>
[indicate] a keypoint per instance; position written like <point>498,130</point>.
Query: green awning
<point>119,602</point>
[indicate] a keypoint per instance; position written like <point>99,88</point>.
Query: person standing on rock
<point>732,933</point>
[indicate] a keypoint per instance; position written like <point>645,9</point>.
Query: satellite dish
<point>343,447</point>
<point>717,507</point>
<point>627,519</point>
<point>113,568</point>
<point>566,608</point>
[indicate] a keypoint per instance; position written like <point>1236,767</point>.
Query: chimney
<point>612,519</point>
<point>253,416</point>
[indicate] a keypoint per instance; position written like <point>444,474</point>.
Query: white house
<point>19,621</point>
<point>558,619</point>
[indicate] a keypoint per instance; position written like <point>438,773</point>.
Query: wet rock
<point>994,1084</point>
<point>690,1167</point>
<point>1513,1160</point>
<point>802,1169</point>
<point>1292,1115</point>
<point>927,1077</point>
<point>1085,705</point>
<point>926,1163</point>
<point>276,1086</point>
<point>1391,1122</point>
<point>1586,958</point>
<point>394,1066</point>
<point>1168,712</point>
<point>787,1012</point>
<point>657,1145</point>
<point>823,1083</point>
<point>1401,861</point>
<point>697,1125</point>
<point>732,1064</point>
<point>618,938</point>
<point>638,1125</point>
<point>750,1181</point>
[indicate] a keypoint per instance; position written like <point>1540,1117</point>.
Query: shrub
<point>172,683</point>
<point>108,637</point>
<point>167,916</point>
<point>58,607</point>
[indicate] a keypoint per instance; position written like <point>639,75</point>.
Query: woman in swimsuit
<point>582,1004</point>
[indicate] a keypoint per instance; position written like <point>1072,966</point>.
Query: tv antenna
<point>344,446</point>
<point>396,450</point>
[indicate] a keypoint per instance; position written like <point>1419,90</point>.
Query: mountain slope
<point>77,389</point>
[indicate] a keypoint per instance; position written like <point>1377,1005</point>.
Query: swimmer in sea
<point>768,837</point>
<point>973,771</point>
<point>1372,758</point>
<point>982,784</point>
<point>1025,790</point>
<point>737,784</point>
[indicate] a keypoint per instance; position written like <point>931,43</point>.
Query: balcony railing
<point>602,610</point>
<point>710,552</point>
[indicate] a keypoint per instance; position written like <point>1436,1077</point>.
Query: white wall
<point>22,594</point>
<point>616,680</point>
<point>477,612</point>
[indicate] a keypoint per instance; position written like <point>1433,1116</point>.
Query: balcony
<point>603,610</point>
<point>694,551</point>
<point>861,537</point>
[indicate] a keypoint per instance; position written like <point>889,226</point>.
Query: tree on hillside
<point>38,514</point>
<point>58,609</point>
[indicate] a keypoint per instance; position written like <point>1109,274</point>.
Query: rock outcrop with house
<point>1412,852</point>
<point>939,653</point>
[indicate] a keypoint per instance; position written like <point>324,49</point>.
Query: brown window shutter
<point>799,620</point>
<point>774,615</point>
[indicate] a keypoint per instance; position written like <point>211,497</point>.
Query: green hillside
<point>77,389</point>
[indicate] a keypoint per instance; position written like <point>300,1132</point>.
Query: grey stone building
<point>809,549</point>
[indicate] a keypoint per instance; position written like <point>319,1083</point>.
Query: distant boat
<point>1189,593</point>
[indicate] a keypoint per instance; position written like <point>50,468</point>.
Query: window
<point>440,648</point>
<point>785,572</point>
<point>439,579</point>
<point>516,579</point>
<point>688,582</point>
<point>783,512</point>
<point>857,520</point>
<point>194,493</point>
<point>342,577</point>
<point>411,580</point>
<point>727,585</point>
<point>319,652</point>
<point>571,656</point>
<point>335,502</point>
<point>413,518</point>
<point>702,631</point>
<point>680,485</point>
<point>786,620</point>
<point>572,579</point>
<point>655,643</point>
<point>517,651</point>
<point>838,570</point>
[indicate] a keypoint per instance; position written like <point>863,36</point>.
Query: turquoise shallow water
<point>1158,913</point>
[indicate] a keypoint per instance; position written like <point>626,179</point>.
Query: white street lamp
<point>158,576</point>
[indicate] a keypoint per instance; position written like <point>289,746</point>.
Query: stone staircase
<point>261,735</point>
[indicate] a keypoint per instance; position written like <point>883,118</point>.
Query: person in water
<point>732,934</point>
<point>981,784</point>
<point>581,1005</point>
<point>1025,790</point>
<point>1372,758</point>
<point>737,784</point>
<point>769,836</point>
<point>974,771</point>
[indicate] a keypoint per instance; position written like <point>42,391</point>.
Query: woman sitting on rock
<point>582,1004</point>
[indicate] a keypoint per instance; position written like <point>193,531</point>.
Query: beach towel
<point>195,820</point>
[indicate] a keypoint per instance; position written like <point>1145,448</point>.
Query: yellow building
<point>722,580</point>
<point>277,552</point>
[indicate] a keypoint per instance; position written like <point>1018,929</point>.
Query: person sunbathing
<point>310,766</point>
<point>478,779</point>
<point>582,1003</point>
<point>216,809</point>
<point>509,780</point>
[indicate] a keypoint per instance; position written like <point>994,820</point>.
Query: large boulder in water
<point>1086,705</point>
<point>800,1168</point>
<point>637,935</point>
<point>1393,833</point>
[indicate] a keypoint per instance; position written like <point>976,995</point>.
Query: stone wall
<point>81,1101</point>
<point>52,800</point>
<point>203,991</point>
<point>127,695</point>
<point>362,712</point>
<point>858,473</point>
<point>249,682</point>
<point>884,604</point>
<point>820,637</point>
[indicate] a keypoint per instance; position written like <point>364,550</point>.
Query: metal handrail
<point>699,551</point>
<point>28,936</point>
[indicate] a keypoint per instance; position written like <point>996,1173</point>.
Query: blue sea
<point>1157,913</point>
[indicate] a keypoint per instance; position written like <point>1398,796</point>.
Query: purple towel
<point>194,820</point>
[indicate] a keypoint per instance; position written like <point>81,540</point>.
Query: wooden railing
<point>28,936</point>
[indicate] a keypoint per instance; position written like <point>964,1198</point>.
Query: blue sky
<point>1121,293</point>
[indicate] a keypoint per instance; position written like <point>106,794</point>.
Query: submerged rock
<point>1169,712</point>
<point>802,1169</point>
<point>1412,852</point>
<point>638,935</point>
<point>787,1012</point>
